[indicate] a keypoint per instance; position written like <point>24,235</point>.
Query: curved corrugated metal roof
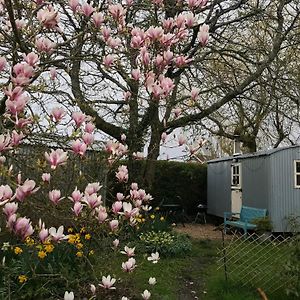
<point>249,155</point>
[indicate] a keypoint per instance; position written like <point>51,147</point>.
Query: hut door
<point>236,187</point>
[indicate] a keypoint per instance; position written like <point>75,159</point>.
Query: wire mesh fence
<point>258,261</point>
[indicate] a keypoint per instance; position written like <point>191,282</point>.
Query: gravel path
<point>200,231</point>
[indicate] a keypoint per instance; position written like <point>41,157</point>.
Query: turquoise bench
<point>247,215</point>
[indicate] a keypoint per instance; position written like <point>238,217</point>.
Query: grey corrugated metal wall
<point>218,188</point>
<point>284,196</point>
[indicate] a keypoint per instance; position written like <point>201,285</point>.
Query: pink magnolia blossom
<point>134,186</point>
<point>189,19</point>
<point>177,112</point>
<point>105,31</point>
<point>11,220</point>
<point>55,196</point>
<point>117,11</point>
<point>78,118</point>
<point>22,122</point>
<point>13,93</point>
<point>6,192</point>
<point>23,227</point>
<point>180,21</point>
<point>154,257</point>
<point>98,19</point>
<point>108,282</point>
<point>79,147</point>
<point>76,195</point>
<point>48,17</point>
<point>43,44</point>
<point>116,243</point>
<point>120,197</point>
<point>87,9</point>
<point>93,200</point>
<point>136,74</point>
<point>77,208</point>
<point>32,59</point>
<point>92,188</point>
<point>122,174</point>
<point>4,142</point>
<point>102,214</point>
<point>127,95</point>
<point>74,4</point>
<point>18,105</point>
<point>182,61</point>
<point>3,63</point>
<point>89,127</point>
<point>53,73</point>
<point>23,69</point>
<point>203,35</point>
<point>46,177</point>
<point>88,138</point>
<point>57,114</point>
<point>164,137</point>
<point>116,207</point>
<point>16,138</point>
<point>181,140</point>
<point>43,234</point>
<point>128,211</point>
<point>56,158</point>
<point>128,251</point>
<point>123,137</point>
<point>26,189</point>
<point>57,234</point>
<point>114,224</point>
<point>113,42</point>
<point>154,33</point>
<point>194,93</point>
<point>129,265</point>
<point>10,209</point>
<point>108,60</point>
<point>20,23</point>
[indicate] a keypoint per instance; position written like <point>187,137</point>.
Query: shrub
<point>166,243</point>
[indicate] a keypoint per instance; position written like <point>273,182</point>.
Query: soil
<point>194,286</point>
<point>200,231</point>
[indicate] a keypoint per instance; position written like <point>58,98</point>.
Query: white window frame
<point>296,173</point>
<point>239,175</point>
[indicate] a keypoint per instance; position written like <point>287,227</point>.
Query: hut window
<point>297,173</point>
<point>236,175</point>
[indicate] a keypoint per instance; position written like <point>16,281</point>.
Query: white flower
<point>5,246</point>
<point>128,251</point>
<point>108,282</point>
<point>146,295</point>
<point>69,296</point>
<point>93,289</point>
<point>152,280</point>
<point>124,298</point>
<point>154,257</point>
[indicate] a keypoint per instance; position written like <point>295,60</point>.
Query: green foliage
<point>181,183</point>
<point>166,243</point>
<point>263,224</point>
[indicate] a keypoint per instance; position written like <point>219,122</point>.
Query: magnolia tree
<point>118,63</point>
<point>70,50</point>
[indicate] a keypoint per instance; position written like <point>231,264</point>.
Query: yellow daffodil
<point>70,230</point>
<point>79,246</point>
<point>42,254</point>
<point>152,217</point>
<point>91,252</point>
<point>79,254</point>
<point>29,241</point>
<point>162,218</point>
<point>82,230</point>
<point>22,278</point>
<point>18,250</point>
<point>48,248</point>
<point>87,236</point>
